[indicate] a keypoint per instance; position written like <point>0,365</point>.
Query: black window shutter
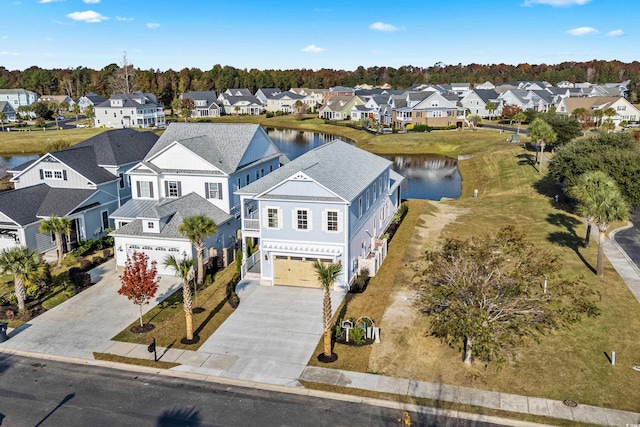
<point>219,191</point>
<point>166,189</point>
<point>64,174</point>
<point>41,174</point>
<point>138,188</point>
<point>206,190</point>
<point>151,189</point>
<point>179,189</point>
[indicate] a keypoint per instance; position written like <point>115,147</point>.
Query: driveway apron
<point>85,323</point>
<point>270,337</point>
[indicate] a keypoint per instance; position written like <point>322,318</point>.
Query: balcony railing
<point>252,222</point>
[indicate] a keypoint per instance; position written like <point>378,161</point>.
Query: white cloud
<point>381,26</point>
<point>4,37</point>
<point>615,33</point>
<point>91,1</point>
<point>153,25</point>
<point>9,53</point>
<point>313,48</point>
<point>557,3</point>
<point>122,18</point>
<point>47,1</point>
<point>87,16</point>
<point>582,31</point>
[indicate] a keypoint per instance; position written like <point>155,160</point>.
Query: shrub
<point>269,114</point>
<point>402,211</point>
<point>79,278</point>
<point>69,291</point>
<point>106,254</point>
<point>13,299</point>
<point>360,282</point>
<point>33,292</point>
<point>85,264</point>
<point>357,335</point>
<point>69,260</point>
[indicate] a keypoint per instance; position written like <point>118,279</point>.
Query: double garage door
<point>296,271</point>
<point>157,254</point>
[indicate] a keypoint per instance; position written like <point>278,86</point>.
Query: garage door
<point>157,254</point>
<point>296,271</point>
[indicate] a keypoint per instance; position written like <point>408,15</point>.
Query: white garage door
<point>296,271</point>
<point>157,254</point>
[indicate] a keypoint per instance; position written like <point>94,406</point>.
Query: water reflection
<point>294,143</point>
<point>13,161</point>
<point>428,177</point>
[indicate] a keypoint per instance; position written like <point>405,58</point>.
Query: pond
<point>426,177</point>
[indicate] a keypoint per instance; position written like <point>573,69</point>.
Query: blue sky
<point>288,34</point>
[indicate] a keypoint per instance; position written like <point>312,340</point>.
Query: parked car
<point>80,125</point>
<point>633,125</point>
<point>61,117</point>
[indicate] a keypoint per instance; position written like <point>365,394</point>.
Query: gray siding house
<point>192,164</point>
<point>331,204</point>
<point>84,183</point>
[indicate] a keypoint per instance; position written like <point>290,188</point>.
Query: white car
<point>80,125</point>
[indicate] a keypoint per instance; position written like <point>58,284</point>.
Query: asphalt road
<point>629,239</point>
<point>35,392</point>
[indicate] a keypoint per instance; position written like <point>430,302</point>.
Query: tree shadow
<point>179,417</point>
<point>527,159</point>
<point>210,316</point>
<point>568,238</point>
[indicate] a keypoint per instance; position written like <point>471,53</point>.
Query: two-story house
<point>428,108</point>
<point>130,110</point>
<point>84,183</point>
<point>476,101</point>
<point>339,107</point>
<point>19,98</point>
<point>287,102</point>
<point>193,168</point>
<point>205,102</point>
<point>92,99</point>
<point>9,112</point>
<point>332,204</point>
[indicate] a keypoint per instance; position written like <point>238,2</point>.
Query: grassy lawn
<point>169,320</point>
<point>566,364</point>
<point>34,142</point>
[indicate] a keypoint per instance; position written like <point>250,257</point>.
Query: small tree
<point>90,112</point>
<point>519,117</point>
<point>58,226</point>
<point>486,295</point>
<point>187,105</point>
<point>300,108</point>
<point>327,275</point>
<point>185,271</point>
<point>139,280</point>
<point>509,111</point>
<point>491,107</point>
<point>75,110</point>
<point>475,120</point>
<point>23,263</point>
<point>542,133</point>
<point>3,117</point>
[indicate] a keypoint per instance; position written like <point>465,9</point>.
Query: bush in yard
<point>32,292</point>
<point>357,335</point>
<point>79,278</point>
<point>85,264</point>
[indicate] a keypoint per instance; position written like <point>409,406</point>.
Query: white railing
<point>250,262</point>
<point>251,222</point>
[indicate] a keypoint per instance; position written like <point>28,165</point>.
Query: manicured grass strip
<point>133,361</point>
<point>374,300</point>
<point>34,142</point>
<point>440,404</point>
<point>169,320</point>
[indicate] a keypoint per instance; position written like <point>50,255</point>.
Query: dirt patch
<point>402,326</point>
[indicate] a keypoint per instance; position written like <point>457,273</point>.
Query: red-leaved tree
<point>139,280</point>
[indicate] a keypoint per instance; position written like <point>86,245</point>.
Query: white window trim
<point>325,221</point>
<point>280,217</point>
<point>294,219</point>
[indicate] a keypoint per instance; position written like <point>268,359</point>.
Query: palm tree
<point>491,107</point>
<point>3,117</point>
<point>184,270</point>
<point>90,112</point>
<point>586,185</point>
<point>327,275</point>
<point>543,133</point>
<point>23,263</point>
<point>519,117</point>
<point>53,106</point>
<point>58,226</point>
<point>75,109</point>
<point>601,200</point>
<point>597,114</point>
<point>196,228</point>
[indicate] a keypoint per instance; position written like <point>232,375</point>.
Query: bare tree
<point>123,79</point>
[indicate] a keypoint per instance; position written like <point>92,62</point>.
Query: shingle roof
<point>220,144</point>
<point>589,102</point>
<point>340,167</point>
<point>486,95</point>
<point>40,201</point>
<point>207,95</point>
<point>175,210</point>
<point>120,146</point>
<point>83,160</point>
<point>131,100</point>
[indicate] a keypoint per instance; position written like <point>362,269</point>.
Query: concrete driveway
<point>269,338</point>
<point>86,322</point>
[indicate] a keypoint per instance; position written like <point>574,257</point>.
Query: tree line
<point>168,84</point>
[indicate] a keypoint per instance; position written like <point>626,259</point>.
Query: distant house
<point>90,99</point>
<point>313,98</point>
<point>476,101</point>
<point>131,110</point>
<point>58,99</point>
<point>625,111</point>
<point>206,104</point>
<point>339,107</point>
<point>84,183</point>
<point>332,204</point>
<point>234,92</point>
<point>9,112</point>
<point>193,168</point>
<point>241,105</point>
<point>263,94</point>
<point>427,108</point>
<point>19,98</point>
<point>338,91</point>
<point>287,102</point>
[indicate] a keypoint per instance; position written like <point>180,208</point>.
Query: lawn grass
<point>34,142</point>
<point>169,319</point>
<point>565,364</point>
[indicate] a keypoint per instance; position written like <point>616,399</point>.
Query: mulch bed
<point>195,340</point>
<point>324,359</point>
<point>147,327</point>
<point>342,341</point>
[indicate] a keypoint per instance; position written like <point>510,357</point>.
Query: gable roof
<point>332,166</point>
<point>590,103</point>
<point>120,146</point>
<point>130,100</point>
<point>95,98</point>
<point>220,144</point>
<point>209,96</point>
<point>40,201</point>
<point>174,210</point>
<point>486,95</point>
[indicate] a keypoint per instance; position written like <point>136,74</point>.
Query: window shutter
<point>206,190</point>
<point>280,219</point>
<point>219,190</point>
<point>151,189</point>
<point>64,174</point>
<point>41,174</point>
<point>294,219</point>
<point>325,220</point>
<point>138,188</point>
<point>179,189</point>
<point>265,217</point>
<point>309,220</point>
<point>340,221</point>
<point>166,189</point>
